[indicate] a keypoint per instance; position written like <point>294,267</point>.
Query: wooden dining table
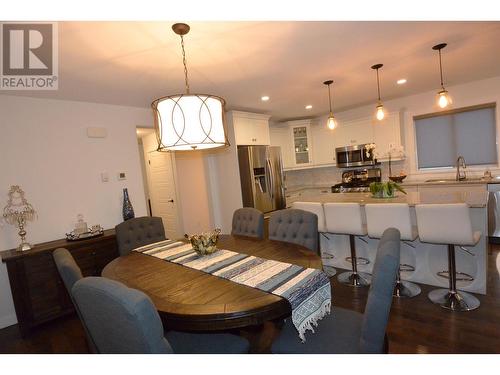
<point>192,300</point>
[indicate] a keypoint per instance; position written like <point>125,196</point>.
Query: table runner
<point>307,289</point>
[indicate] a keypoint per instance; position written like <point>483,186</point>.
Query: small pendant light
<point>443,98</point>
<point>189,121</point>
<point>331,122</point>
<point>380,114</point>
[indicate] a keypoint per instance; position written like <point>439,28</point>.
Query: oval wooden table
<point>189,299</point>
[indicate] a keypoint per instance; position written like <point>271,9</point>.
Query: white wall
<point>464,95</point>
<point>44,148</point>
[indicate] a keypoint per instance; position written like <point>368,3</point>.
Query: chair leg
<point>449,298</point>
<point>354,278</point>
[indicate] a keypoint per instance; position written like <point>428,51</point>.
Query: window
<point>469,132</point>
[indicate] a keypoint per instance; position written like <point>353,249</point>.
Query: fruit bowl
<point>205,243</point>
<point>397,179</point>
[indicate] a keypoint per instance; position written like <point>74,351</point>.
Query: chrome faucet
<point>461,174</point>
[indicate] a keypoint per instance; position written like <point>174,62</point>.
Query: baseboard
<point>8,320</point>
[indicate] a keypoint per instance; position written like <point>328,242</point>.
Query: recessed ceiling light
<point>309,106</point>
<point>264,98</point>
<point>401,81</point>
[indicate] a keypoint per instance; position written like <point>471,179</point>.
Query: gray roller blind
<point>441,139</point>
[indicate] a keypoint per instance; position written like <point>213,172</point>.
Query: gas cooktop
<point>357,181</point>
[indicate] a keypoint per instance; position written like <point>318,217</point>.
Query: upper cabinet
<point>309,143</point>
<point>250,128</point>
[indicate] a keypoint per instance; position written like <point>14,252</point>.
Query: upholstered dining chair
<point>249,222</point>
<point>345,331</point>
<point>123,320</point>
<point>137,232</point>
<point>70,273</point>
<point>294,226</point>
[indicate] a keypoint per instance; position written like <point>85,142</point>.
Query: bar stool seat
<point>346,218</point>
<point>379,217</point>
<point>449,224</point>
<point>317,209</point>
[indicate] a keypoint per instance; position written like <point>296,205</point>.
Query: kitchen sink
<point>445,180</point>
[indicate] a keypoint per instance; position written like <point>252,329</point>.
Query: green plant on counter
<point>385,189</point>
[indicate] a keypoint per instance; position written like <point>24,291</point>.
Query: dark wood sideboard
<point>38,291</point>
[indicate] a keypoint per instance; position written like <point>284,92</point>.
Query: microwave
<point>353,156</point>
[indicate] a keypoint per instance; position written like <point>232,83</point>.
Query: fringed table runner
<point>307,289</point>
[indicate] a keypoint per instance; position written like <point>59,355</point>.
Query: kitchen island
<point>428,259</point>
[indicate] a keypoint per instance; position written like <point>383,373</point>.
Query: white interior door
<point>160,168</point>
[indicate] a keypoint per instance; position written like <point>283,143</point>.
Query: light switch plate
<point>95,132</point>
<point>122,176</point>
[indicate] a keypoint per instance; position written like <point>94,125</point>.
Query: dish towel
<point>307,289</point>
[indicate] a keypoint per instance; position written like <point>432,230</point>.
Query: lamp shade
<point>189,122</point>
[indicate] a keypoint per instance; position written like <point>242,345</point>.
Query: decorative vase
<point>128,210</point>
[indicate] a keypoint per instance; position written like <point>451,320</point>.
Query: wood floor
<point>415,326</point>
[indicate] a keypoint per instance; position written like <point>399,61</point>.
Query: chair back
<point>249,222</point>
<point>137,232</point>
<point>344,218</point>
<point>445,224</point>
<point>70,273</point>
<point>380,216</point>
<point>294,226</point>
<point>315,208</point>
<point>121,320</point>
<point>378,304</point>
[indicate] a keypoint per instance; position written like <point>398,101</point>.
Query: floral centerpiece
<point>204,243</point>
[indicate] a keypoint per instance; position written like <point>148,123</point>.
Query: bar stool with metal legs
<point>449,224</point>
<point>317,208</point>
<point>346,218</point>
<point>379,217</point>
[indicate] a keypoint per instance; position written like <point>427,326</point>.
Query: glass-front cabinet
<point>301,142</point>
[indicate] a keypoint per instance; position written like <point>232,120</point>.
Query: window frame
<point>492,105</point>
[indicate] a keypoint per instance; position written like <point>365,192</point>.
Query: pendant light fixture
<point>380,114</point>
<point>189,121</point>
<point>443,98</point>
<point>331,122</point>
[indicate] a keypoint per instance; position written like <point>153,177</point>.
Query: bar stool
<point>346,218</point>
<point>379,217</point>
<point>317,208</point>
<point>449,224</point>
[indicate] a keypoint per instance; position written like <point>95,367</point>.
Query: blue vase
<point>128,210</point>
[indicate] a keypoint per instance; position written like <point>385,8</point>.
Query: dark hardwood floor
<point>415,326</point>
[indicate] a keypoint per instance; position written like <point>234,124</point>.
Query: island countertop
<point>475,199</point>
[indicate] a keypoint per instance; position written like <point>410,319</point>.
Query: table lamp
<point>17,212</point>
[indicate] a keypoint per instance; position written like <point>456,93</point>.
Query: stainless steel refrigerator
<point>262,177</point>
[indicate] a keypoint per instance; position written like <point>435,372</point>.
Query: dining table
<point>192,300</point>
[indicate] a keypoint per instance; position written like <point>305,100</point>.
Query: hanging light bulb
<point>331,122</point>
<point>443,98</point>
<point>380,114</point>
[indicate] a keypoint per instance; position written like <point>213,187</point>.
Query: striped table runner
<point>307,289</point>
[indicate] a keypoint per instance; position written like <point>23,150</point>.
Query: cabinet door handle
<point>171,200</point>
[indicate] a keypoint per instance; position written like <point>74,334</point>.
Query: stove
<point>357,180</point>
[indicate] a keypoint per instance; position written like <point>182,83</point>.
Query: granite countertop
<point>450,181</point>
<point>474,199</point>
<point>297,189</point>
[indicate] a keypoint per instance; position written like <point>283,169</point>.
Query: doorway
<point>160,180</point>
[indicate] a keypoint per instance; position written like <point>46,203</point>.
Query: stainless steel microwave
<point>353,156</point>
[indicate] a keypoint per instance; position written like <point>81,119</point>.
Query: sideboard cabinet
<point>37,289</point>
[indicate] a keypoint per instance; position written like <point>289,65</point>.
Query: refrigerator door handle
<point>271,178</point>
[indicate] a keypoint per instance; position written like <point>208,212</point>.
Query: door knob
<point>171,200</point>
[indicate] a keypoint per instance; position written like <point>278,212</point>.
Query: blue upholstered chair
<point>295,226</point>
<point>124,320</point>
<point>70,273</point>
<point>138,232</point>
<point>248,222</point>
<point>346,331</point>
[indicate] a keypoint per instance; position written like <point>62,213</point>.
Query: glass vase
<point>128,210</point>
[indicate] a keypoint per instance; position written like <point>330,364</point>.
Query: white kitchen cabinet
<point>387,135</point>
<point>250,128</point>
<point>354,132</point>
<point>300,133</point>
<point>324,141</point>
<point>280,136</point>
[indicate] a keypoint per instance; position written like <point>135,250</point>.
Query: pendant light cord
<point>330,99</point>
<point>185,65</point>
<point>441,70</point>
<point>378,87</point>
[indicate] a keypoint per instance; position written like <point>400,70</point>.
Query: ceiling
<point>132,63</point>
